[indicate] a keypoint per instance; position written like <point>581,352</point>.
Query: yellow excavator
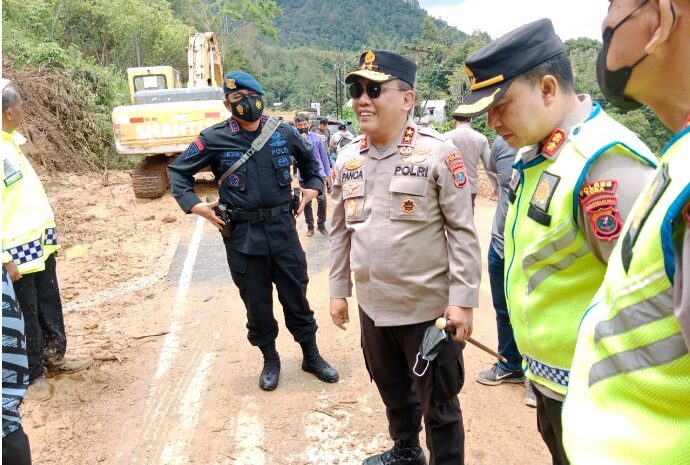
<point>164,117</point>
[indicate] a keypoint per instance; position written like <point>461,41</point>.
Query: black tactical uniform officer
<point>263,247</point>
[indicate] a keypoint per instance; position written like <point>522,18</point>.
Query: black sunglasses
<point>373,89</point>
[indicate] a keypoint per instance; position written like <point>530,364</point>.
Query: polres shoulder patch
<point>456,165</point>
<point>598,200</point>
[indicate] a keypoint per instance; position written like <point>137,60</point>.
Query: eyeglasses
<point>373,89</point>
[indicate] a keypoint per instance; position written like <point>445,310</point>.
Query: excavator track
<point>150,177</point>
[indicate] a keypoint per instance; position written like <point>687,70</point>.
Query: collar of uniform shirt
<point>575,117</point>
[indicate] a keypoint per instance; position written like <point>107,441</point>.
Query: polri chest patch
<point>541,199</point>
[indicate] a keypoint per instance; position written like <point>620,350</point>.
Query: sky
<point>500,16</point>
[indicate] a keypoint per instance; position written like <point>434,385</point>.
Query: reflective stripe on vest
<point>628,400</point>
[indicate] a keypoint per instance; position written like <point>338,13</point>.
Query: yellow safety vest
<point>29,235</point>
<point>629,395</point>
<point>550,273</point>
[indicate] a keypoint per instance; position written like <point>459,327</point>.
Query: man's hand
<point>339,313</point>
<point>13,271</point>
<point>205,210</point>
<point>307,196</point>
<point>459,318</point>
<point>329,182</point>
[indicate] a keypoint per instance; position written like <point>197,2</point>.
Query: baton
<point>442,324</point>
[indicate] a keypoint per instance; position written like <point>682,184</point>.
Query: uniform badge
<point>456,165</point>
<point>277,140</point>
<point>598,200</point>
<point>234,127</point>
<point>422,150</point>
<point>234,180</point>
<point>554,142</point>
<point>364,144</point>
<point>651,197</point>
<point>541,199</point>
<point>369,59</point>
<point>416,159</point>
<point>230,83</point>
<point>240,109</point>
<point>194,148</point>
<point>351,208</point>
<point>353,164</point>
<point>408,135</point>
<point>408,206</point>
<point>350,188</point>
<point>405,151</point>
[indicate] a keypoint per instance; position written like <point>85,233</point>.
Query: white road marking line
<point>249,435</point>
<point>171,342</point>
<point>175,450</point>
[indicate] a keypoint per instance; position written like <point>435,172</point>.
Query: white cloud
<point>497,17</point>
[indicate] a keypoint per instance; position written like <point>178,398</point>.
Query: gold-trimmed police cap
<point>492,69</point>
<point>381,66</point>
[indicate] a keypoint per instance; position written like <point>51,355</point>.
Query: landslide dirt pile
<point>63,133</point>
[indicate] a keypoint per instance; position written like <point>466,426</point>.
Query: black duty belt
<point>260,215</point>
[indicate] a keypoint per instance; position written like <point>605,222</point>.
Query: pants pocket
<point>448,373</point>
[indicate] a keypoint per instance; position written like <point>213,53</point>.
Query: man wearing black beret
<point>576,178</point>
<point>403,224</point>
<point>262,245</point>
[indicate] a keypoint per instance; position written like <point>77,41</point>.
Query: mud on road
<point>147,293</point>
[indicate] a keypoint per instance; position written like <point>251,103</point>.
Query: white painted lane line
<point>175,450</point>
<point>171,342</point>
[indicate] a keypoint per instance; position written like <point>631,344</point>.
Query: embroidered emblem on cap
<point>352,165</point>
<point>369,61</point>
<point>230,83</point>
<point>408,206</point>
<point>553,143</point>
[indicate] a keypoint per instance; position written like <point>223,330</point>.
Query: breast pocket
<point>353,199</point>
<point>282,164</point>
<point>237,180</point>
<point>408,198</point>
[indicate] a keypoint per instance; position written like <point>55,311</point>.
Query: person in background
<point>303,124</point>
<point>323,132</point>
<point>473,145</point>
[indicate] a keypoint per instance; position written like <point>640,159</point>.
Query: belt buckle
<point>265,214</point>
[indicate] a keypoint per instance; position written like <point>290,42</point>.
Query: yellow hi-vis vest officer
<point>551,272</point>
<point>29,235</point>
<point>629,395</point>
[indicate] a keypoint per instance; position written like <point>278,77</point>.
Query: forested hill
<point>354,24</point>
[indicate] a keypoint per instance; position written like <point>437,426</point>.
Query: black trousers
<point>38,296</point>
<point>390,353</point>
<point>254,276</point>
<point>321,207</point>
<point>550,426</point>
<point>15,448</point>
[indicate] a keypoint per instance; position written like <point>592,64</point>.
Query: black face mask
<point>303,130</point>
<point>250,108</point>
<point>613,83</point>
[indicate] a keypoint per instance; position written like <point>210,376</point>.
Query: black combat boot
<point>268,380</point>
<point>314,363</point>
<point>404,452</point>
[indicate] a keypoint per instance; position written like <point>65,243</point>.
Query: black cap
<point>492,69</point>
<point>381,66</point>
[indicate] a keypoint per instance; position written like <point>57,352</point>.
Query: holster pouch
<point>296,199</point>
<point>221,212</point>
